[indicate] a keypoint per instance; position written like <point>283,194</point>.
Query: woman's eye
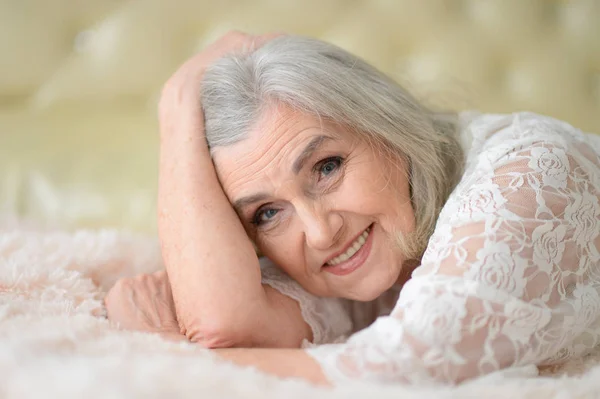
<point>264,215</point>
<point>328,166</point>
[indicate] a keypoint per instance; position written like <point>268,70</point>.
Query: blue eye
<point>329,165</point>
<point>264,215</point>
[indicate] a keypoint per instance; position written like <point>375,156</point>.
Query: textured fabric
<point>54,345</point>
<point>328,318</point>
<point>511,274</point>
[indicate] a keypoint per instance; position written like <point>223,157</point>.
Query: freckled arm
<point>212,266</point>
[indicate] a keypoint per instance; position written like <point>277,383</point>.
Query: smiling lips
<point>354,256</point>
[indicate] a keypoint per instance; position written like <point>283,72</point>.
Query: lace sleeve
<point>511,275</point>
<point>328,318</point>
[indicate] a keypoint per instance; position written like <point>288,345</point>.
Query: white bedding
<point>54,341</point>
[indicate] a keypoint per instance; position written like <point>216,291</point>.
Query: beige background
<point>79,79</point>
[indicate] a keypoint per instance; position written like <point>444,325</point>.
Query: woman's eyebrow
<point>241,203</point>
<point>314,144</point>
<point>308,151</point>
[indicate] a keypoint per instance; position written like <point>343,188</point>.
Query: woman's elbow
<point>220,328</point>
<point>215,335</point>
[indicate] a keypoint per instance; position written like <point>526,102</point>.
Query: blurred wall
<point>80,79</point>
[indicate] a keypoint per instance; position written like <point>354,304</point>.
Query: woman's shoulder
<point>492,137</point>
<point>480,131</point>
<point>524,170</point>
<point>509,149</point>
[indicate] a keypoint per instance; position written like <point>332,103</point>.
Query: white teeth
<point>352,249</point>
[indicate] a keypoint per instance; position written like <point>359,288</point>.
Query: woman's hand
<point>144,303</point>
<point>181,93</point>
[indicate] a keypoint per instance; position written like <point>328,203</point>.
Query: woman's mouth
<point>355,255</point>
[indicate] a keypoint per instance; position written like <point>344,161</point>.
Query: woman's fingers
<point>231,42</point>
<point>262,39</point>
<point>118,302</point>
<point>143,303</point>
<point>180,96</point>
<point>164,302</point>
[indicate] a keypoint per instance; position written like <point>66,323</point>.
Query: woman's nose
<point>322,228</point>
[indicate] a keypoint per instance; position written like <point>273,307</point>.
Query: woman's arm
<point>283,363</point>
<point>212,266</point>
<point>145,303</point>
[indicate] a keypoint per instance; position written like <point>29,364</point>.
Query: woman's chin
<point>370,289</point>
<point>368,296</point>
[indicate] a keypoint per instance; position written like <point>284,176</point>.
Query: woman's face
<point>319,202</point>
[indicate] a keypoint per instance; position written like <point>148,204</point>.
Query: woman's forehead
<point>271,148</point>
<point>276,132</point>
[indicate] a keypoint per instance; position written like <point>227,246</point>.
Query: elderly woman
<point>400,245</point>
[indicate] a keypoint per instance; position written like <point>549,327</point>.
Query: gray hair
<point>323,80</point>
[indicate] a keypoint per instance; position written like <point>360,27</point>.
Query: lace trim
<point>327,317</point>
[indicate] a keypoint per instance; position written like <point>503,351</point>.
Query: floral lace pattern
<point>511,274</point>
<point>328,318</point>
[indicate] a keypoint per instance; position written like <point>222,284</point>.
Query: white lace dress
<point>510,277</point>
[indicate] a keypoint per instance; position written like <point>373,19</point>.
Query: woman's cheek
<point>358,194</point>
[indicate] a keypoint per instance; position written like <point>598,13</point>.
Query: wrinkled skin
<point>344,187</point>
